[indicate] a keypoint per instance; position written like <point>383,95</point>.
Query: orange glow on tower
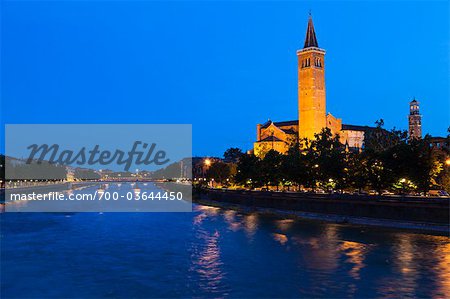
<point>311,85</point>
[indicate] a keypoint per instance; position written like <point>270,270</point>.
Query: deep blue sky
<point>224,67</point>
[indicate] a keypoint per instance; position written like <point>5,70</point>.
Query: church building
<point>312,116</point>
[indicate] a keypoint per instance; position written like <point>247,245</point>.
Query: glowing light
<point>207,162</point>
<point>447,162</point>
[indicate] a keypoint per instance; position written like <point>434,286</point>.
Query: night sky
<point>222,67</point>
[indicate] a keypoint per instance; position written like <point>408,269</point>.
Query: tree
<point>219,171</point>
<point>357,171</point>
<point>443,156</point>
<point>270,170</point>
<point>386,154</point>
<point>293,165</point>
<point>378,175</point>
<point>425,165</point>
<point>248,171</point>
<point>328,155</point>
<point>232,155</point>
<point>379,139</point>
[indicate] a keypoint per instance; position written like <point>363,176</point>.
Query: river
<point>214,252</point>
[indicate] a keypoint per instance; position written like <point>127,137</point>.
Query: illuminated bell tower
<point>311,86</point>
<point>415,120</point>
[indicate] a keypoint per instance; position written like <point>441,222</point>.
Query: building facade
<point>312,116</point>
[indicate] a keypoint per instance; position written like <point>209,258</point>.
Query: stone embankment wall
<point>428,210</point>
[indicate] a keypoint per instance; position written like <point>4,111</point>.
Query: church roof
<point>310,39</point>
<point>266,124</point>
<point>280,123</point>
<point>289,131</point>
<point>356,128</point>
<point>286,123</point>
<point>414,101</point>
<point>270,138</point>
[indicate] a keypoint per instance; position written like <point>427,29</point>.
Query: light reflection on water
<point>402,262</point>
<point>205,261</point>
<point>216,253</point>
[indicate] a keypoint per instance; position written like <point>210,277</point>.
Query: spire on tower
<point>310,39</point>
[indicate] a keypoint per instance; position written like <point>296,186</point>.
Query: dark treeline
<point>388,161</point>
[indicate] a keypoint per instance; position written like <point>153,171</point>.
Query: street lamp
<point>206,164</point>
<point>447,162</point>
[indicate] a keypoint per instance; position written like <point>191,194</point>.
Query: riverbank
<point>405,213</point>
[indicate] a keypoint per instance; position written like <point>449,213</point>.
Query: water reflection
<point>205,211</point>
<point>320,251</point>
<point>230,218</point>
<point>442,269</point>
<point>251,223</point>
<point>355,253</point>
<point>217,253</point>
<point>284,224</point>
<point>206,261</point>
<point>418,259</point>
<point>206,264</point>
<point>280,238</point>
<point>345,258</point>
<point>136,190</point>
